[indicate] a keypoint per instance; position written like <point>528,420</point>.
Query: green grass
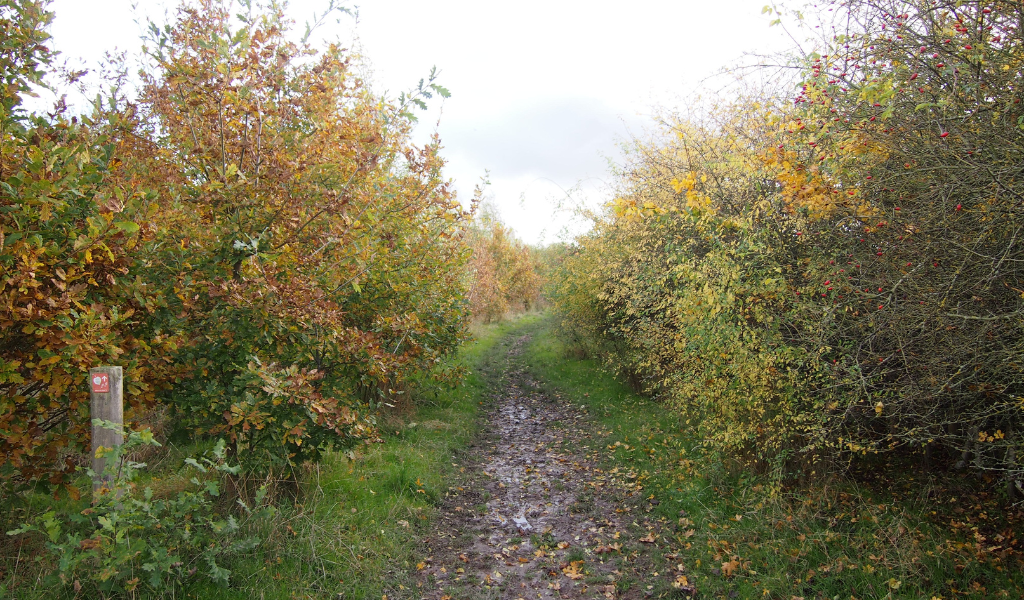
<point>353,527</point>
<point>832,540</point>
<point>360,523</point>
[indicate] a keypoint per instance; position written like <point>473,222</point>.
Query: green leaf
<point>217,573</point>
<point>127,226</point>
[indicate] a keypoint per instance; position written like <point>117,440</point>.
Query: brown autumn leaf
<point>573,570</point>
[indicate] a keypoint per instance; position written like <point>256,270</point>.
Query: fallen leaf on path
<point>649,539</point>
<point>563,545</point>
<point>683,585</point>
<point>573,570</point>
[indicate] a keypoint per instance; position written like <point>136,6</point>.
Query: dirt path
<point>534,517</point>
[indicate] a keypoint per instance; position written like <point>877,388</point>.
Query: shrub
<point>835,274</point>
<point>69,296</point>
<point>503,270</point>
<point>127,541</point>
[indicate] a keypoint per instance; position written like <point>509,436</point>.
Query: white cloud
<point>540,89</point>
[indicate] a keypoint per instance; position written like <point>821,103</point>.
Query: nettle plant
<point>130,540</point>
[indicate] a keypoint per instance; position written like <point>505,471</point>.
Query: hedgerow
<point>815,277</point>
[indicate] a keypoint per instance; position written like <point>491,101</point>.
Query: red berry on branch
<point>944,134</point>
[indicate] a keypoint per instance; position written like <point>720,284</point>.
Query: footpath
<point>534,516</point>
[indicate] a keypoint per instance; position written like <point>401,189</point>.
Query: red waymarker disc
<point>101,383</point>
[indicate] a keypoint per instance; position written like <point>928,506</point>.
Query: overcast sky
<point>542,91</point>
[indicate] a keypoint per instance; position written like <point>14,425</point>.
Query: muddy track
<point>533,518</point>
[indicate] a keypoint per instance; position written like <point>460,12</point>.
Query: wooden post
<point>106,386</point>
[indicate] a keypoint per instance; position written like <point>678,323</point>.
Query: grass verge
<point>717,528</point>
<point>352,527</point>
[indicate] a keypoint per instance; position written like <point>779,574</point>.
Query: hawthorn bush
<point>914,109</point>
<point>686,280</point>
<point>833,274</point>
